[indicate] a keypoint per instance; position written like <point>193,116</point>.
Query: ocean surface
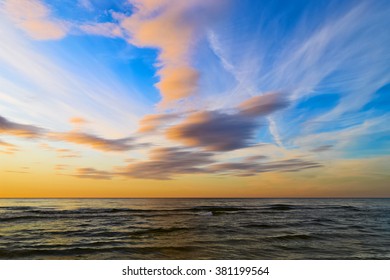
<point>194,228</point>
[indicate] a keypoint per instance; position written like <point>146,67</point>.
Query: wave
<point>262,226</point>
<point>281,207</point>
<point>288,237</point>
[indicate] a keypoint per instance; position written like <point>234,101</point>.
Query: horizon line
<point>314,197</point>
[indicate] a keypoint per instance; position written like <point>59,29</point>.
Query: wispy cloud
<point>67,153</point>
<point>76,137</point>
<point>77,120</point>
<point>7,148</point>
<point>34,17</point>
<point>107,29</point>
<point>164,163</point>
<point>93,141</point>
<point>19,130</point>
<point>264,104</point>
<point>322,148</point>
<point>92,173</point>
<point>252,168</point>
<point>172,162</point>
<point>35,81</point>
<point>153,122</point>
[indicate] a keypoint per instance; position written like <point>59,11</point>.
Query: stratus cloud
<point>19,130</point>
<point>172,27</point>
<point>93,141</point>
<point>164,163</point>
<point>34,18</point>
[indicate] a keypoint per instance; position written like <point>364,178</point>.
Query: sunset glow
<point>172,98</point>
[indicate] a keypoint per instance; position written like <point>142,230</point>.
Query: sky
<point>171,98</point>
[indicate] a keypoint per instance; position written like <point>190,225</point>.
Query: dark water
<point>194,228</point>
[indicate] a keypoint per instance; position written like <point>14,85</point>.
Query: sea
<point>151,229</point>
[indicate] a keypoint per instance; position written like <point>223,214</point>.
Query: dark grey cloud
<point>215,131</point>
<point>220,131</point>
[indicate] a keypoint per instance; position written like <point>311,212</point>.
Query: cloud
<point>86,4</point>
<point>288,165</point>
<point>77,120</point>
<point>322,148</point>
<point>252,168</point>
<point>60,167</point>
<point>7,148</point>
<point>107,29</point>
<point>234,167</point>
<point>214,131</point>
<point>263,105</point>
<point>92,173</point>
<point>64,90</point>
<point>96,142</point>
<point>172,27</point>
<point>93,141</point>
<point>66,153</point>
<point>220,131</point>
<point>34,17</point>
<point>164,163</point>
<point>151,123</point>
<point>19,130</point>
<point>255,158</point>
<point>5,144</point>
